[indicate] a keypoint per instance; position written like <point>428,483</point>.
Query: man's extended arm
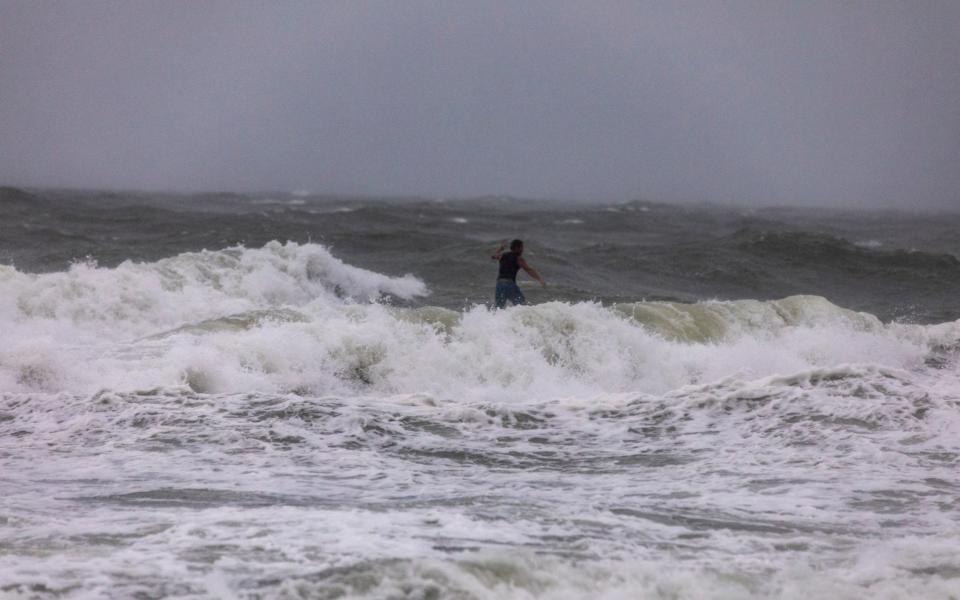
<point>531,271</point>
<point>498,252</point>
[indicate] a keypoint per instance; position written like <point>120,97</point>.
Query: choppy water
<point>705,403</point>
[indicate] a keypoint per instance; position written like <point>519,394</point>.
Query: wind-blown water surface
<point>290,396</point>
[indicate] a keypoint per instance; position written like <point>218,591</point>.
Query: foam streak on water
<point>274,423</point>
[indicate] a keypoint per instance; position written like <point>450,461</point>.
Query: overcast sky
<point>803,102</point>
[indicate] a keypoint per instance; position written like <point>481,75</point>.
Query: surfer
<point>511,262</point>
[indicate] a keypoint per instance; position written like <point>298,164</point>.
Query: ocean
<point>309,397</point>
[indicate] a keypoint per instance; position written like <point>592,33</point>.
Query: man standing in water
<point>510,263</point>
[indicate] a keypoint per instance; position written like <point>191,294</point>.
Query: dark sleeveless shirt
<point>508,266</point>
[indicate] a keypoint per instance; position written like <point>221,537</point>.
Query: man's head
<point>516,246</point>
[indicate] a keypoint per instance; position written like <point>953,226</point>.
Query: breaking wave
<point>136,298</point>
<point>274,422</point>
<point>293,318</point>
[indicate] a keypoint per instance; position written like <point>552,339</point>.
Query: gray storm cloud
<point>848,103</point>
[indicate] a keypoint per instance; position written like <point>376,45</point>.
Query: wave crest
<point>293,318</point>
<point>552,350</point>
<point>136,298</point>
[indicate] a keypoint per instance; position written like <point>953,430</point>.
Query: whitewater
<point>270,420</point>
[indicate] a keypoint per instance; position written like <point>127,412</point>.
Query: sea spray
<point>272,320</point>
<point>272,422</point>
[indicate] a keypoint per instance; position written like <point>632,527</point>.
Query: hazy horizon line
<point>809,205</point>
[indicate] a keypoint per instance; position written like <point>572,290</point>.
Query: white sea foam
<point>136,298</point>
<point>253,423</point>
<point>290,318</point>
<point>294,318</point>
<point>57,326</point>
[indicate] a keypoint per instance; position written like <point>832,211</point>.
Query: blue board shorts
<point>507,289</point>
